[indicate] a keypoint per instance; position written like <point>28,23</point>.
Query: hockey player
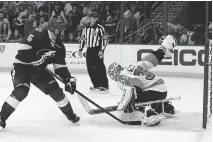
<point>141,85</point>
<point>38,49</point>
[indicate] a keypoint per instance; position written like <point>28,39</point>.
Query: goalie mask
<point>114,70</point>
<point>56,26</point>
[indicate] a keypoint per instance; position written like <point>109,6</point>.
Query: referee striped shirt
<point>93,37</point>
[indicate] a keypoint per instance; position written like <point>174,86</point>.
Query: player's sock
<point>6,110</point>
<point>9,106</point>
<point>66,108</point>
<point>63,104</point>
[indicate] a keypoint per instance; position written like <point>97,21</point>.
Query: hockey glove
<point>70,85</point>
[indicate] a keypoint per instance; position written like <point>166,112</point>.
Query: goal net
<point>207,98</point>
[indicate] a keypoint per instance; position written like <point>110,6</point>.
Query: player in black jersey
<point>38,49</point>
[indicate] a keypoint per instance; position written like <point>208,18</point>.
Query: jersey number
<point>30,38</point>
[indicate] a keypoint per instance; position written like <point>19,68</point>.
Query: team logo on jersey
<point>45,53</point>
<point>2,48</point>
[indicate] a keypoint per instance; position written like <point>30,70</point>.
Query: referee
<point>93,36</point>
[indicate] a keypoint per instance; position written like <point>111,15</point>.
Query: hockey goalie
<point>140,85</point>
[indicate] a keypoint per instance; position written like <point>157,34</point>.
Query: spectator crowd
<point>17,18</point>
<point>193,35</point>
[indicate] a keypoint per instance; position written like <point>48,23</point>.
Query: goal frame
<point>207,64</point>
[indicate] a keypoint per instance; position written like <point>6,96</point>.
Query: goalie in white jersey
<point>141,85</point>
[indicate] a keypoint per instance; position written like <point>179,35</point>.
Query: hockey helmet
<point>114,70</point>
<point>56,24</point>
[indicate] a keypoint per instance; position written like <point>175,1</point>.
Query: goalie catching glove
<point>70,85</point>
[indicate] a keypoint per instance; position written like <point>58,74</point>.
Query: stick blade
<point>133,122</point>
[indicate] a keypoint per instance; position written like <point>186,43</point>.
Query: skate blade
<point>104,92</point>
<point>176,111</point>
<point>95,90</point>
<point>74,124</point>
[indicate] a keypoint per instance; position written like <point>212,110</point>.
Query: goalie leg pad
<point>127,99</point>
<point>133,116</point>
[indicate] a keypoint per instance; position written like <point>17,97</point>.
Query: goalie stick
<point>95,104</point>
<point>91,111</point>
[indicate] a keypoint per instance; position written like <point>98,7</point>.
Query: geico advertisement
<point>73,57</point>
<point>183,56</point>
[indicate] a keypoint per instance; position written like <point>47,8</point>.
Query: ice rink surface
<point>38,119</point>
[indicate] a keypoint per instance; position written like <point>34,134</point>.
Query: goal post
<point>207,88</point>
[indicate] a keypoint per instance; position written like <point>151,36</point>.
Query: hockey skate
<point>73,118</point>
<point>94,89</point>
<point>104,90</point>
<point>2,123</point>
